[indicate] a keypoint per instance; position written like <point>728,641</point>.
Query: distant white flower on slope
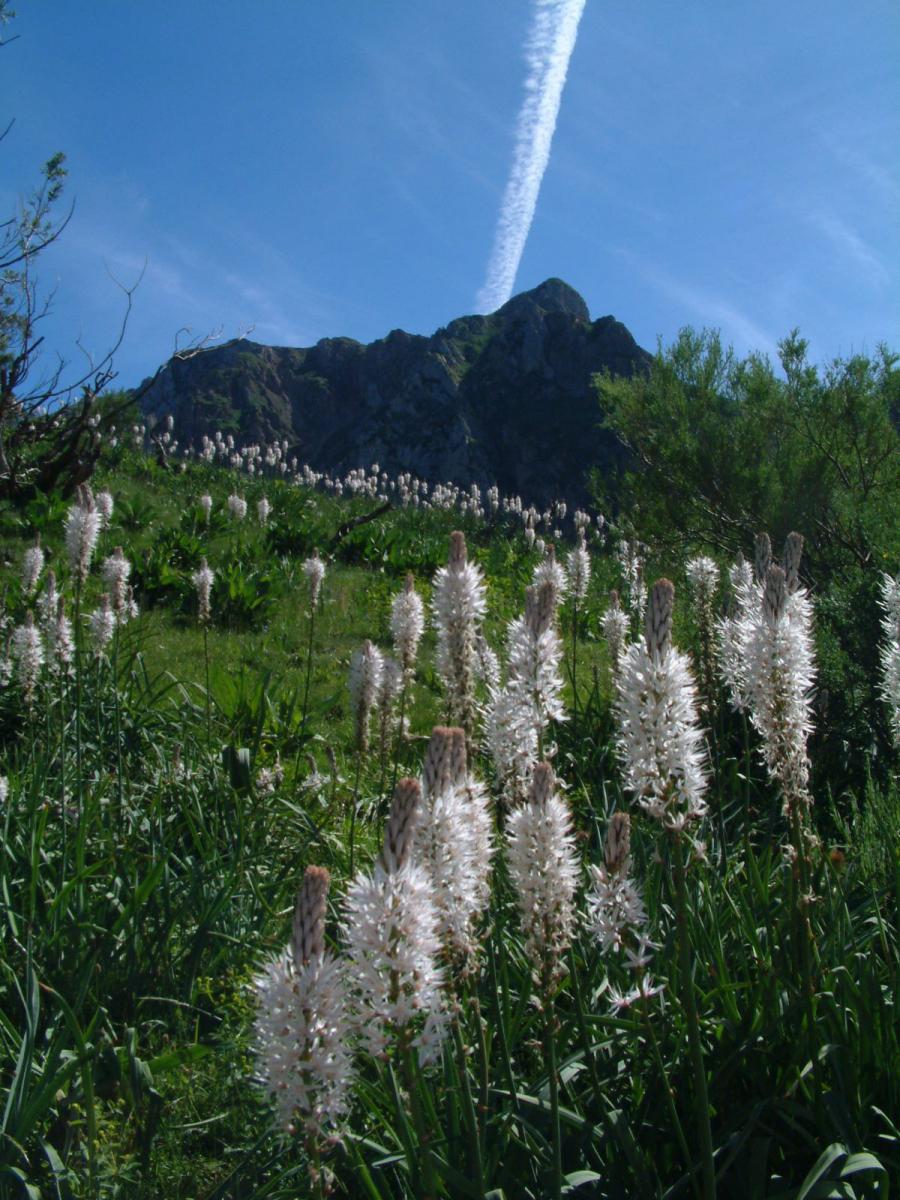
<point>393,943</point>
<point>660,740</point>
<point>206,504</point>
<point>459,604</point>
<point>301,1032</point>
<point>890,650</point>
<point>263,508</point>
<point>543,867</point>
<point>237,507</point>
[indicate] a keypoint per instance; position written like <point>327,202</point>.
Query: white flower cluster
<point>454,842</point>
<point>769,664</point>
<point>366,668</point>
<point>519,714</point>
<point>393,943</point>
<point>82,529</point>
<point>459,603</point>
<point>314,570</point>
<point>203,579</point>
<point>543,866</point>
<point>237,507</point>
<point>614,627</point>
<point>660,739</point>
<point>579,571</point>
<point>407,624</point>
<point>301,1030</point>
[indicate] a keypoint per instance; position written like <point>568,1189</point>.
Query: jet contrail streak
<point>549,48</point>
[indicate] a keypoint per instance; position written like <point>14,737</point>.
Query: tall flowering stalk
<point>519,715</point>
<point>579,577</point>
<point>301,1031</point>
<point>549,571</point>
<point>703,577</point>
<point>543,867</point>
<point>366,668</point>
<point>407,627</point>
<point>386,707</point>
<point>82,529</point>
<point>314,570</point>
<point>890,650</point>
<point>203,579</point>
<point>614,627</point>
<point>454,843</point>
<point>617,918</point>
<point>661,745</point>
<point>459,603</point>
<point>28,656</point>
<point>393,947</point>
<point>32,566</point>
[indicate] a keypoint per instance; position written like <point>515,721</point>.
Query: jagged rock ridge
<point>504,398</point>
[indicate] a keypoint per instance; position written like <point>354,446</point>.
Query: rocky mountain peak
<point>503,398</point>
<point>553,295</point>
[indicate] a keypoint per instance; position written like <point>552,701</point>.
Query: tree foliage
<point>723,447</point>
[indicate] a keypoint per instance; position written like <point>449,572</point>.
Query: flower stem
<point>689,1000</point>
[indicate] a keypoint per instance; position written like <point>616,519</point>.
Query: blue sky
<point>315,168</point>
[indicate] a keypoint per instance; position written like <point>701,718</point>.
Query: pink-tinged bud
<point>658,625</point>
<point>762,556</point>
<point>309,916</point>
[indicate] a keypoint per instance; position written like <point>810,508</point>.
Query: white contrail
<point>549,48</point>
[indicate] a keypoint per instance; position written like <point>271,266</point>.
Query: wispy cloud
<point>549,49</point>
<point>849,242</point>
<point>712,309</point>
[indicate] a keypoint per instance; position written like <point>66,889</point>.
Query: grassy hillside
<point>166,795</point>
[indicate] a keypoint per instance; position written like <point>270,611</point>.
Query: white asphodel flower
<point>660,740</point>
<point>28,655</point>
<point>777,681</point>
<point>203,579</point>
<point>543,867</point>
<point>578,569</point>
<point>393,943</point>
<point>82,529</point>
<point>454,842</point>
<point>237,507</point>
<point>407,624</point>
<point>459,604</point>
<point>614,627</point>
<point>314,570</point>
<point>32,565</point>
<point>366,669</point>
<point>302,1027</point>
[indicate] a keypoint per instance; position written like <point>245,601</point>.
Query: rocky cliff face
<point>504,398</point>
